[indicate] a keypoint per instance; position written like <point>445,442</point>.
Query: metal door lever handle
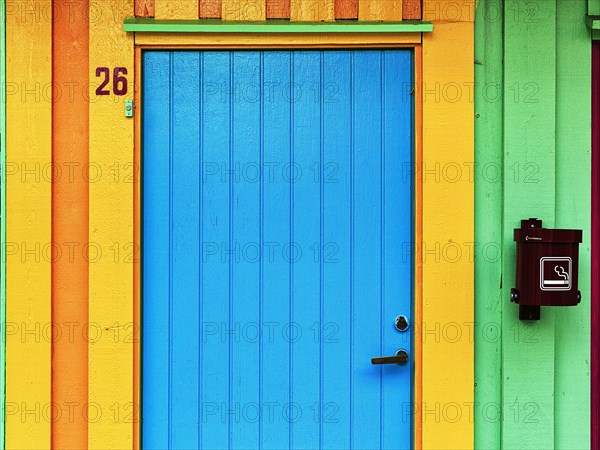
<point>401,358</point>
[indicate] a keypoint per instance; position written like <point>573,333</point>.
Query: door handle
<point>400,358</point>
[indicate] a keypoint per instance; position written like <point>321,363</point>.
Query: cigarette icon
<point>554,273</point>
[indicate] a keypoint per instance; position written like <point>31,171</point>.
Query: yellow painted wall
<point>28,238</point>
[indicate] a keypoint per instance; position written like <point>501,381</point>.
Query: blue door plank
<point>156,270</point>
<point>185,248</point>
<point>216,223</point>
<point>335,179</point>
<point>275,362</point>
<point>304,250</point>
<point>397,148</point>
<point>366,260</point>
<point>244,252</point>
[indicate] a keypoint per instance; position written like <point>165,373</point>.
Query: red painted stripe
<point>595,316</point>
<point>70,221</point>
<point>209,9</point>
<point>411,9</point>
<point>346,9</point>
<point>144,8</point>
<point>278,9</point>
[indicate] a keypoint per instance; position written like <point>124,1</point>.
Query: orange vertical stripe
<point>137,242</point>
<point>144,8</point>
<point>346,9</point>
<point>209,9</point>
<point>411,9</point>
<point>418,306</point>
<point>70,223</point>
<point>278,9</point>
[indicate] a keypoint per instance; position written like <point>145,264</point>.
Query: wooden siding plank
<point>278,9</point>
<point>488,224</point>
<point>595,239</point>
<point>247,10</point>
<point>380,10</point>
<point>70,220</point>
<point>176,9</point>
<point>411,9</point>
<point>28,222</point>
<point>346,9</point>
<point>448,216</point>
<point>144,8</point>
<point>112,334</point>
<point>312,10</point>
<point>3,218</point>
<point>529,191</point>
<point>210,9</point>
<point>573,189</point>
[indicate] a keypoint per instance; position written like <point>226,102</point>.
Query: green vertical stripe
<point>529,191</point>
<point>488,221</point>
<point>573,189</point>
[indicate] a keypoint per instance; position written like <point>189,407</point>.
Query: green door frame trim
<point>272,26</point>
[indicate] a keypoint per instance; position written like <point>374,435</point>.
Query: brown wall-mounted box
<point>547,268</point>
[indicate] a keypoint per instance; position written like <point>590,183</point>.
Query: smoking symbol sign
<point>555,273</point>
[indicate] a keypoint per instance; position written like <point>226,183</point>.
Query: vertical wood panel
<point>276,195</point>
<point>144,8</point>
<point>215,236</point>
<point>380,10</point>
<point>411,9</point>
<point>156,249</point>
<point>305,232</point>
<point>488,223</point>
<point>337,142</point>
<point>573,189</point>
<point>366,247</point>
<point>251,10</point>
<point>185,410</point>
<point>111,235</point>
<point>278,9</point>
<point>595,238</point>
<point>70,215</point>
<point>209,9</point>
<point>246,287</point>
<point>346,9</point>
<point>3,217</point>
<point>448,213</point>
<point>312,10</point>
<point>529,191</point>
<point>28,222</point>
<point>176,9</point>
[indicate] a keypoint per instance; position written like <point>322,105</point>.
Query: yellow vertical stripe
<point>28,222</point>
<point>448,234</point>
<point>252,10</point>
<point>312,10</point>
<point>111,234</point>
<point>380,10</point>
<point>176,9</point>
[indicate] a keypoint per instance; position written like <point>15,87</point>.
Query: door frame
<point>428,312</point>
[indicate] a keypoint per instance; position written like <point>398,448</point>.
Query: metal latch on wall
<point>128,108</point>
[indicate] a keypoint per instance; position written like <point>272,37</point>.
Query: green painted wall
<point>538,137</point>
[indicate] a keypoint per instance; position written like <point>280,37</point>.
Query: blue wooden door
<point>277,237</point>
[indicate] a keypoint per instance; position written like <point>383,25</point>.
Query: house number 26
<point>119,81</point>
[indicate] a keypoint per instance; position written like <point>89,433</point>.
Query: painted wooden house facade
<point>289,223</point>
